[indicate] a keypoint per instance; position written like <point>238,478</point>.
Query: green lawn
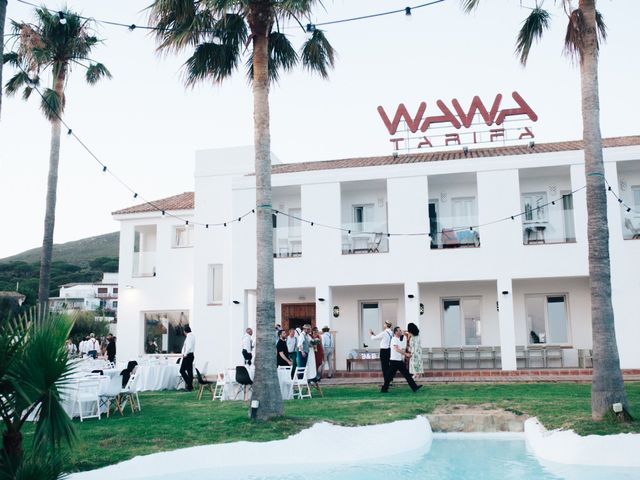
<point>171,420</point>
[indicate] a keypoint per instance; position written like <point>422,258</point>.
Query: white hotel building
<point>512,285</point>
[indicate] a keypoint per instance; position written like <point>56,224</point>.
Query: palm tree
<point>218,31</point>
<point>3,17</point>
<point>57,42</point>
<point>34,368</point>
<point>585,30</point>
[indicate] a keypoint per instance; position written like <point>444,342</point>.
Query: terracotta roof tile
<point>185,201</point>
<point>450,155</point>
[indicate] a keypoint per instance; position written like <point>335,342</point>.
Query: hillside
<point>78,252</point>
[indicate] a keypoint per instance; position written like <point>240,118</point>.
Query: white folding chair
<point>130,394</point>
<point>111,393</point>
<point>231,389</point>
<point>301,384</point>
<point>88,392</point>
<point>218,389</point>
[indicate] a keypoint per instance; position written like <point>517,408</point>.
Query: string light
<point>309,27</point>
<point>627,207</point>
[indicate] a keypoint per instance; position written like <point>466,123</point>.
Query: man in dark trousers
<point>186,367</point>
<point>111,348</point>
<point>398,353</point>
<point>385,337</point>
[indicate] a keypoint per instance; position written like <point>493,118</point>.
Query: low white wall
<point>339,445</point>
<point>565,446</point>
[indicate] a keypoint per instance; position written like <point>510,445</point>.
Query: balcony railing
<point>554,231</point>
<point>631,228</point>
<point>367,237</point>
<point>454,232</point>
<point>144,264</point>
<point>287,242</point>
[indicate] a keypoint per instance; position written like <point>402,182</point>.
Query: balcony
<point>144,264</point>
<point>287,242</point>
<point>454,232</point>
<point>545,221</point>
<point>365,237</point>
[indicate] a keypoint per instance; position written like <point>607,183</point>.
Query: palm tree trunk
<point>12,445</point>
<point>50,214</point>
<point>3,16</point>
<point>608,386</point>
<point>266,388</point>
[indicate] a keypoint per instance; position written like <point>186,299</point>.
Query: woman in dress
<point>415,362</point>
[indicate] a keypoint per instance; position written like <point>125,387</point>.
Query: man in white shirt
<point>328,348</point>
<point>247,346</point>
<point>292,347</point>
<point>186,366</point>
<point>303,346</point>
<point>396,363</point>
<point>92,346</point>
<point>385,337</point>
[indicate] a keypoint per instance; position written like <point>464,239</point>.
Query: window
<point>534,207</point>
<point>182,236</point>
<point>362,214</point>
<point>115,304</point>
<point>115,290</point>
<point>372,316</point>
<point>463,211</point>
<point>103,290</point>
<point>547,318</point>
<point>164,331</point>
<point>461,321</point>
<point>294,222</point>
<point>635,192</point>
<point>214,282</point>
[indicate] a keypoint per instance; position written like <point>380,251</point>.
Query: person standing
<point>186,366</point>
<point>92,346</point>
<point>111,348</point>
<point>415,361</point>
<point>303,346</point>
<point>292,348</point>
<point>247,346</point>
<point>327,345</point>
<point>282,351</point>
<point>385,337</point>
<point>396,363</point>
<point>72,350</point>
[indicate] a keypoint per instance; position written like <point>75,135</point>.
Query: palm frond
<point>532,29</point>
<point>11,58</point>
<point>15,83</point>
<point>179,24</point>
<point>317,54</point>
<point>209,61</point>
<point>469,5</point>
<point>575,36</point>
<point>95,72</point>
<point>51,105</point>
<point>282,57</point>
<point>602,27</point>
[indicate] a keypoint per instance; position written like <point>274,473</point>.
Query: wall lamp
<point>336,311</point>
<point>505,292</point>
<point>236,302</point>
<point>411,295</point>
<point>422,309</point>
<point>320,299</point>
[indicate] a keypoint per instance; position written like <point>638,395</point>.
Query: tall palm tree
<point>585,30</point>
<point>56,43</point>
<point>3,17</point>
<point>34,368</point>
<point>218,31</point>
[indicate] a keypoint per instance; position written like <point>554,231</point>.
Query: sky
<point>146,125</point>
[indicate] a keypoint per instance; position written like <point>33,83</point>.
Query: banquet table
<point>235,391</point>
<point>162,376</point>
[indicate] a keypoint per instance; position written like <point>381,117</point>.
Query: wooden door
<point>295,315</point>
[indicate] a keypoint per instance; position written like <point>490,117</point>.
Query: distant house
<point>17,296</point>
<point>98,296</point>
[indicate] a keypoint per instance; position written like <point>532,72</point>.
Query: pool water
<point>456,457</point>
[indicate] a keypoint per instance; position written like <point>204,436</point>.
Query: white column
<point>411,305</point>
<point>324,309</point>
<point>506,323</point>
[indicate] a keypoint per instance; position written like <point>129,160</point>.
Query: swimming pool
<point>459,457</point>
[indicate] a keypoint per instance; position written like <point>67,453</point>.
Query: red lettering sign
<point>490,117</point>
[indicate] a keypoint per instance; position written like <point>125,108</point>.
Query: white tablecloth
<point>157,377</point>
<point>67,396</point>
<point>235,391</point>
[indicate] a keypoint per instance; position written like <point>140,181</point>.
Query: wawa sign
<point>433,127</point>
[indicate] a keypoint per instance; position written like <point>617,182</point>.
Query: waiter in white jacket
<point>186,366</point>
<point>385,337</point>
